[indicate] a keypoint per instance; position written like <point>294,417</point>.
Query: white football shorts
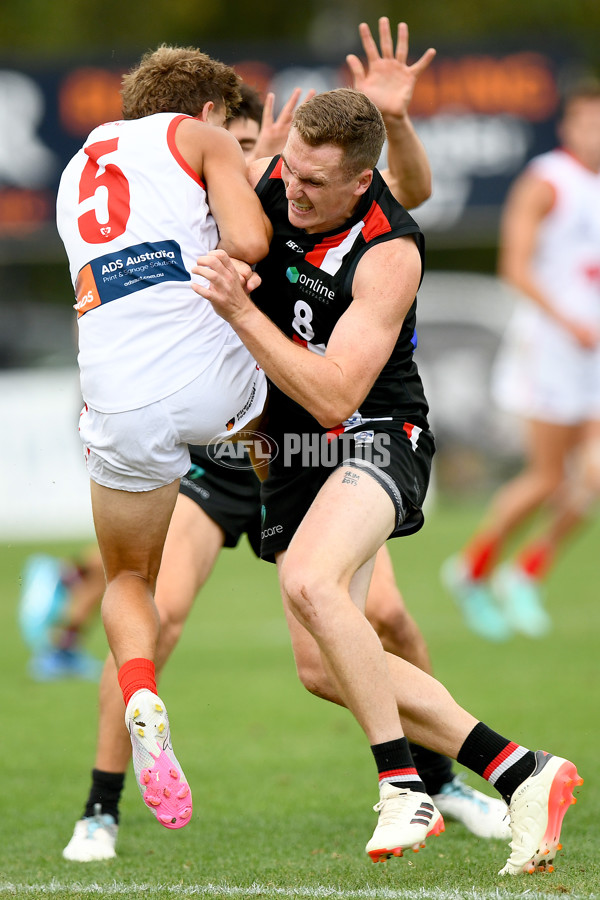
<point>542,373</point>
<point>147,448</point>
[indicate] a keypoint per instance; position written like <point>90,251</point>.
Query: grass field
<point>284,783</point>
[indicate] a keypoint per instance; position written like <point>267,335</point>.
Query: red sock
<point>536,559</point>
<point>137,675</point>
<point>481,556</point>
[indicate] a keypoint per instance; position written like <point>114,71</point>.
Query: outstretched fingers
<point>421,64</point>
<point>385,38</point>
<point>287,110</point>
<point>401,41</point>
<point>368,42</point>
<point>267,114</point>
<point>357,70</point>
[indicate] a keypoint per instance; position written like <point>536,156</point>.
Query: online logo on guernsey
<point>313,287</point>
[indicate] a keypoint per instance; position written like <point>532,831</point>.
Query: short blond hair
<point>180,80</point>
<point>346,119</point>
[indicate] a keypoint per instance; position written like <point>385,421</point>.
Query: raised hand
<point>387,79</point>
<point>274,132</point>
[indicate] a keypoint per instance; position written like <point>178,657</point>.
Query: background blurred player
<point>59,601</point>
<point>548,373</point>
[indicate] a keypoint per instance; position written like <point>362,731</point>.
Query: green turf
<point>283,783</point>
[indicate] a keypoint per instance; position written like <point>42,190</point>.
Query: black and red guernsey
<point>307,286</point>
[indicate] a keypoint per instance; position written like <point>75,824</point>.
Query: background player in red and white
<point>547,373</point>
<point>158,370</point>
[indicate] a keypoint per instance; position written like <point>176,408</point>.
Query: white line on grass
<point>116,889</point>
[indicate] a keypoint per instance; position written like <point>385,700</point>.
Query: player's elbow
<point>331,414</point>
<point>420,196</point>
<point>260,248</point>
<point>250,248</point>
<point>410,192</point>
<point>511,276</point>
<point>415,193</point>
<point>512,267</point>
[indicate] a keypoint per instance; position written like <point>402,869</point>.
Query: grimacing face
<point>320,197</point>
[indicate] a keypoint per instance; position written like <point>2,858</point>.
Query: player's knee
<point>311,672</point>
<point>585,483</point>
<point>312,676</point>
<point>392,625</point>
<point>551,481</point>
<point>592,469</point>
<point>130,577</point>
<point>304,593</point>
<point>171,628</point>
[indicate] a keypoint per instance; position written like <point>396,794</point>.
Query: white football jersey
<point>133,217</point>
<point>541,372</point>
<point>567,257</point>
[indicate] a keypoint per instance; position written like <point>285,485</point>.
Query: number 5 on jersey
<point>104,191</point>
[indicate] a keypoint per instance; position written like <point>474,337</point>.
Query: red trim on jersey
<point>578,161</point>
<point>300,341</point>
<point>334,432</point>
<point>504,754</point>
<point>276,173</point>
<point>174,124</point>
<point>592,272</point>
<point>376,223</point>
<point>316,256</point>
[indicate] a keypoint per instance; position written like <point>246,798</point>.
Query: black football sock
<point>434,769</point>
<point>395,765</point>
<point>106,790</point>
<point>501,762</point>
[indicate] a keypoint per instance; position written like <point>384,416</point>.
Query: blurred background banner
<point>43,480</point>
<point>481,115</point>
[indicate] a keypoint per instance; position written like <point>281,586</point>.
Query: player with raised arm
<point>332,324</point>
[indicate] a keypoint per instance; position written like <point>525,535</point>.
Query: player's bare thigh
<point>548,445</point>
<point>307,655</point>
<point>587,471</point>
<point>131,527</point>
<point>349,520</point>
